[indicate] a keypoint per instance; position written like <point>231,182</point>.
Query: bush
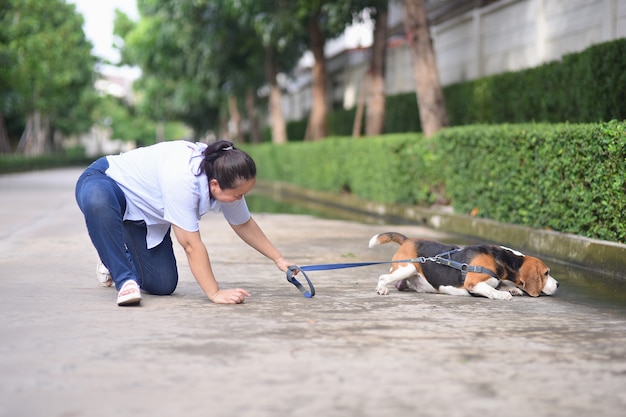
<point>589,86</point>
<point>566,177</point>
<point>569,178</point>
<point>16,163</point>
<point>380,168</point>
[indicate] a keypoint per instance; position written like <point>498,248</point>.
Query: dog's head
<point>534,277</point>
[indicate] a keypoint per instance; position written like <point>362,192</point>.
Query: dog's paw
<point>515,291</point>
<point>382,291</point>
<point>502,295</point>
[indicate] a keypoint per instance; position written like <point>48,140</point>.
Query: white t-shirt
<point>162,188</point>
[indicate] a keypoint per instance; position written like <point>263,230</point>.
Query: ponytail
<point>227,164</point>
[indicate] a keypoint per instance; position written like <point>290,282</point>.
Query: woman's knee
<point>160,285</point>
<point>97,201</point>
<point>159,277</point>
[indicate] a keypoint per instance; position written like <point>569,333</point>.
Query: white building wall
<point>397,78</point>
<point>618,28</point>
<point>512,35</point>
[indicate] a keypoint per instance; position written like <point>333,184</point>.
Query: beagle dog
<point>490,271</point>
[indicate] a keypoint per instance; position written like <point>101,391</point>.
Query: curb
<point>599,255</point>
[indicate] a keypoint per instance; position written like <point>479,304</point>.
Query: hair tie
<point>228,148</point>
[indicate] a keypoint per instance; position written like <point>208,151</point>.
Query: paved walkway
<point>67,350</point>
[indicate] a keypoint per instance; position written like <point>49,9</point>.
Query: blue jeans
<point>121,244</point>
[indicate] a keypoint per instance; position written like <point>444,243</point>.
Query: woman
<point>132,201</point>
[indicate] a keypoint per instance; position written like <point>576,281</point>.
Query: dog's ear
<point>531,276</point>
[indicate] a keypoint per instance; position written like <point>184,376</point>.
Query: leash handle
<point>290,277</point>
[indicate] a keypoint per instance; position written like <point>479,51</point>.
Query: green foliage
<point>172,44</point>
<point>566,177</point>
<point>48,62</point>
<point>194,54</point>
<point>589,86</point>
<point>400,117</point>
<point>376,168</point>
<point>401,114</point>
<point>113,113</point>
<point>16,163</point>
<point>296,130</point>
<point>127,125</point>
<point>340,122</point>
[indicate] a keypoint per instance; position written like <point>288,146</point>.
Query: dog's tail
<point>381,238</point>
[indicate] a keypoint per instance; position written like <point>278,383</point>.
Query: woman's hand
<point>230,296</point>
<point>283,264</point>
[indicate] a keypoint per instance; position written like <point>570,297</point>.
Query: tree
<point>277,41</point>
<point>191,67</point>
<point>192,70</point>
<point>375,78</point>
<point>430,100</point>
<point>7,93</point>
<point>51,68</point>
<point>323,19</point>
<point>318,119</point>
<point>185,50</point>
<point>169,44</point>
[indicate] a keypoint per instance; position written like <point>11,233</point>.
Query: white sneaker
<point>103,274</point>
<point>129,294</point>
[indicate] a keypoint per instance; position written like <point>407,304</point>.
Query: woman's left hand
<point>283,264</point>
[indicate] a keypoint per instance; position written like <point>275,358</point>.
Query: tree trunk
<point>5,145</point>
<point>160,131</point>
<point>318,119</point>
<point>38,137</point>
<point>277,119</point>
<point>47,143</point>
<point>33,140</point>
<point>375,120</point>
<point>234,124</point>
<point>24,145</point>
<point>430,100</point>
<point>360,105</point>
<point>253,119</point>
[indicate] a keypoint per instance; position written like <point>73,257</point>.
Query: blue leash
<point>325,267</point>
<point>442,259</point>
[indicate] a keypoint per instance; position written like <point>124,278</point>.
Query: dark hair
<point>227,164</point>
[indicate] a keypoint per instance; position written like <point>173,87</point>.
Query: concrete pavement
<point>67,350</point>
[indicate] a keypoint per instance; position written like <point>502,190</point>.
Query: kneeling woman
<point>132,201</point>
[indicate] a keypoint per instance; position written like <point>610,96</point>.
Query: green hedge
<point>570,178</point>
<point>584,87</point>
<point>589,86</point>
<point>16,163</point>
<point>566,177</point>
<point>379,168</point>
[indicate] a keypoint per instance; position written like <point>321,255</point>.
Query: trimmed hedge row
<point>18,163</point>
<point>378,168</point>
<point>589,86</point>
<point>569,178</point>
<point>583,87</point>
<point>566,177</point>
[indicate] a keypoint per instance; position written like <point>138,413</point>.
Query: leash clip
<point>290,277</point>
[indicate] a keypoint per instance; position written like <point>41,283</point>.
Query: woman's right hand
<point>230,296</point>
